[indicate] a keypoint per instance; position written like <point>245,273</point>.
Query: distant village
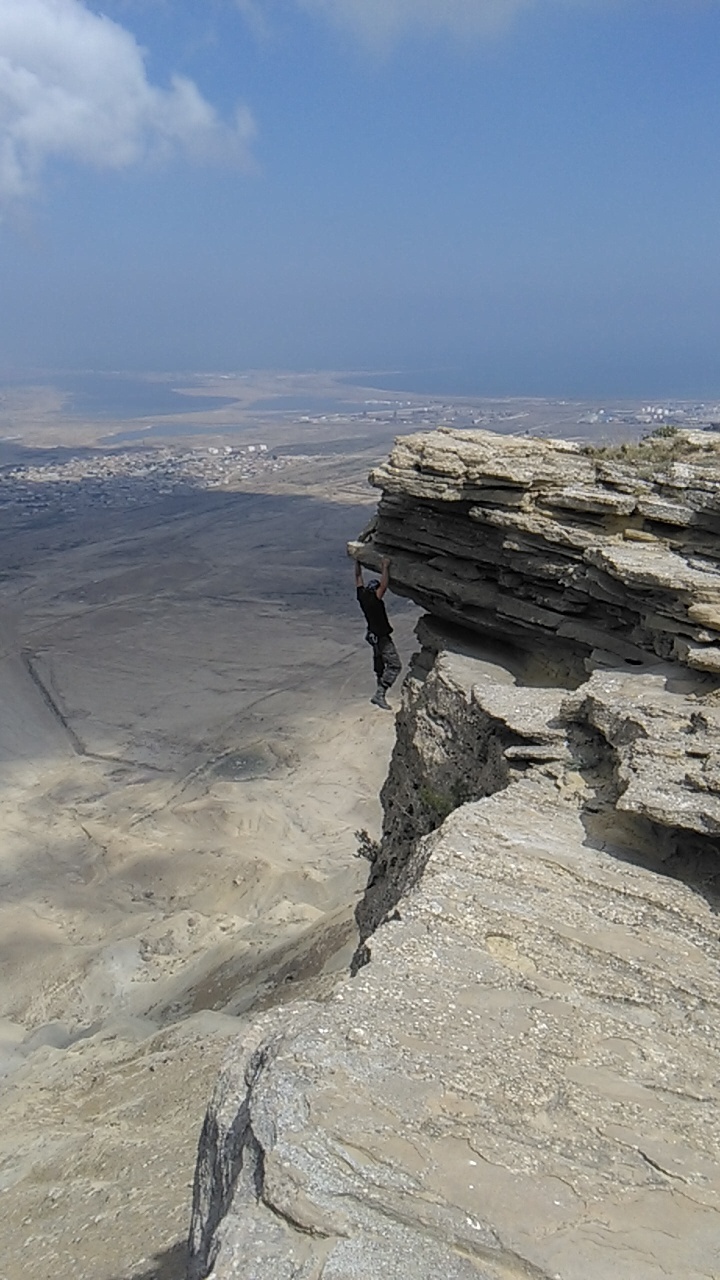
<point>130,476</point>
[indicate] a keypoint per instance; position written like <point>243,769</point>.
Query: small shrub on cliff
<point>666,432</point>
<point>439,804</point>
<point>659,448</point>
<point>366,846</point>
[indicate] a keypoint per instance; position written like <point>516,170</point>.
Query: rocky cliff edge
<point>521,1079</point>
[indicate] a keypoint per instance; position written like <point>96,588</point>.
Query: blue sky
<point>511,196</point>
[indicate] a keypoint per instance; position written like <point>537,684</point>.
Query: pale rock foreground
<point>524,1080</point>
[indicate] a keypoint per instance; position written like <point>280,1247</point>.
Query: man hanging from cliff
<point>386,659</point>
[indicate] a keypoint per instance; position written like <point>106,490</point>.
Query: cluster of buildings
<point>134,475</point>
<point>668,413</point>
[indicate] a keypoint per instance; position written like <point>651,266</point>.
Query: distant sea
<point>466,382</point>
<point>582,385</point>
<point>309,404</point>
<point>434,383</point>
<point>109,395</point>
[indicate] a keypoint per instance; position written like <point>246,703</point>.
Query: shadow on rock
<point>171,1264</point>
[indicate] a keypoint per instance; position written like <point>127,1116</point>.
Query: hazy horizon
<point>492,197</point>
<point>146,392</point>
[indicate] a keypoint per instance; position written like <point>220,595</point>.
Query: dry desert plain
<point>186,752</point>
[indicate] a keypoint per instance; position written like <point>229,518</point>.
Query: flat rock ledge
<point>524,1080</point>
<point>584,549</point>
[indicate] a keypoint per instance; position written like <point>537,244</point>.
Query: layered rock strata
<point>523,1080</point>
<point>642,751</point>
<point>614,550</point>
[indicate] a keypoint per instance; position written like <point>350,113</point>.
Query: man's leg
<point>378,663</point>
<point>392,665</point>
<point>387,670</point>
<point>379,667</point>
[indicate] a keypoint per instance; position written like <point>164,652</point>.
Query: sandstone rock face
<point>582,550</point>
<point>641,751</point>
<point>522,1078</point>
<point>523,1081</point>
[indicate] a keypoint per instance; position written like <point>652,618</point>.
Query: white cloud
<point>380,22</point>
<point>73,86</point>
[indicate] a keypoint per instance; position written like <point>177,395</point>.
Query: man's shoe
<point>380,700</point>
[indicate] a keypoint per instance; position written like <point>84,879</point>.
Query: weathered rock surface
<point>584,550</point>
<point>504,1091</point>
<point>522,1078</point>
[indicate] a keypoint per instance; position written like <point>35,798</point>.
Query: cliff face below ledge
<point>523,1081</point>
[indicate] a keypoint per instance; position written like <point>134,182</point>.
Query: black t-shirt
<point>374,610</point>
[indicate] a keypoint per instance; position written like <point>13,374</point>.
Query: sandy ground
<point>186,751</point>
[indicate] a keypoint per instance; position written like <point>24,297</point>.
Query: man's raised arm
<point>385,579</point>
<point>358,573</point>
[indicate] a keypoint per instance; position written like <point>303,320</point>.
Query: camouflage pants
<point>386,661</point>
